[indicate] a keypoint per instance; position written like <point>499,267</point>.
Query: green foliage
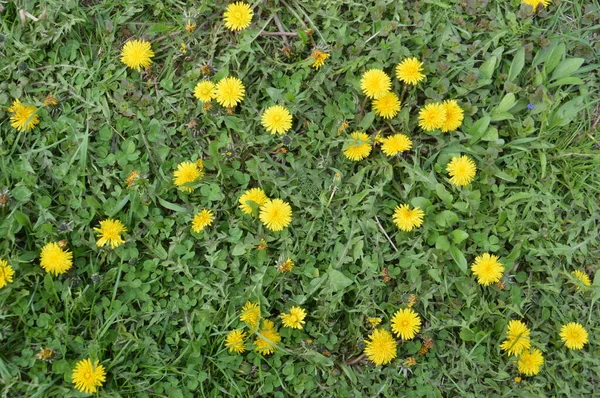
<point>155,311</point>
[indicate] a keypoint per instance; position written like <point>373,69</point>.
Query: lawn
<point>445,250</point>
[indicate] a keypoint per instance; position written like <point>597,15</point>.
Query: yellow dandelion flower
<point>432,116</point>
<point>6,273</point>
<point>517,338</point>
<point>407,219</point>
<point>252,196</point>
<point>267,338</point>
<point>294,318</point>
<point>250,314</point>
<point>202,220</point>
<point>387,106</point>
<point>381,348</point>
<point>229,92</point>
<point>110,233</point>
<point>530,362</point>
<point>406,323</point>
<point>137,54</point>
<point>318,58</point>
<point>46,354</point>
<point>454,116</point>
<point>375,83</point>
<point>277,120</point>
<point>54,259</point>
<point>132,177</point>
<point>359,147</point>
<point>87,377</point>
<point>462,170</point>
<point>50,100</point>
<point>395,144</point>
<point>286,266</point>
<point>187,173</point>
<point>517,379</point>
<point>487,269</point>
<point>536,3</point>
<point>24,117</point>
<point>410,71</point>
<point>235,341</point>
<point>262,245</point>
<point>374,321</point>
<point>574,335</point>
<point>190,27</point>
<point>238,16</point>
<point>275,214</point>
<point>582,277</point>
<point>204,91</point>
<point>410,361</point>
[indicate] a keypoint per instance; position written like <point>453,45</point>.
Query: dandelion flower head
<point>87,377</point>
<point>408,219</point>
<point>275,214</point>
<point>250,314</point>
<point>137,54</point>
<point>318,58</point>
<point>55,260</point>
<point>574,335</point>
<point>381,347</point>
<point>23,117</point>
<point>396,144</point>
<point>387,106</point>
<point>410,71</point>
<point>238,16</point>
<point>187,173</point>
<point>294,318</point>
<point>432,116</point>
<point>202,220</point>
<point>359,146</point>
<point>406,323</point>
<point>110,232</point>
<point>267,339</point>
<point>517,338</point>
<point>6,273</point>
<point>375,83</point>
<point>487,269</point>
<point>256,195</point>
<point>454,116</point>
<point>204,91</point>
<point>277,120</point>
<point>462,170</point>
<point>230,91</point>
<point>235,341</point>
<point>530,362</point>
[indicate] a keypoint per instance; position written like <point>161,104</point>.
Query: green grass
<point>155,311</point>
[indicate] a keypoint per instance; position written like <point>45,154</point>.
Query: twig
<point>290,34</point>
<point>280,28</point>
<point>386,235</point>
<point>356,360</point>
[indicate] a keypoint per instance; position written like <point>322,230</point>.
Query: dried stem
<point>386,235</point>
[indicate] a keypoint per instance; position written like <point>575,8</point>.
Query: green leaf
<point>172,206</point>
<point>487,69</point>
<point>442,243</point>
<point>459,259</point>
<point>458,235</point>
<point>505,105</point>
<point>567,67</point>
<point>367,121</point>
<point>337,280</point>
<point>517,65</point>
